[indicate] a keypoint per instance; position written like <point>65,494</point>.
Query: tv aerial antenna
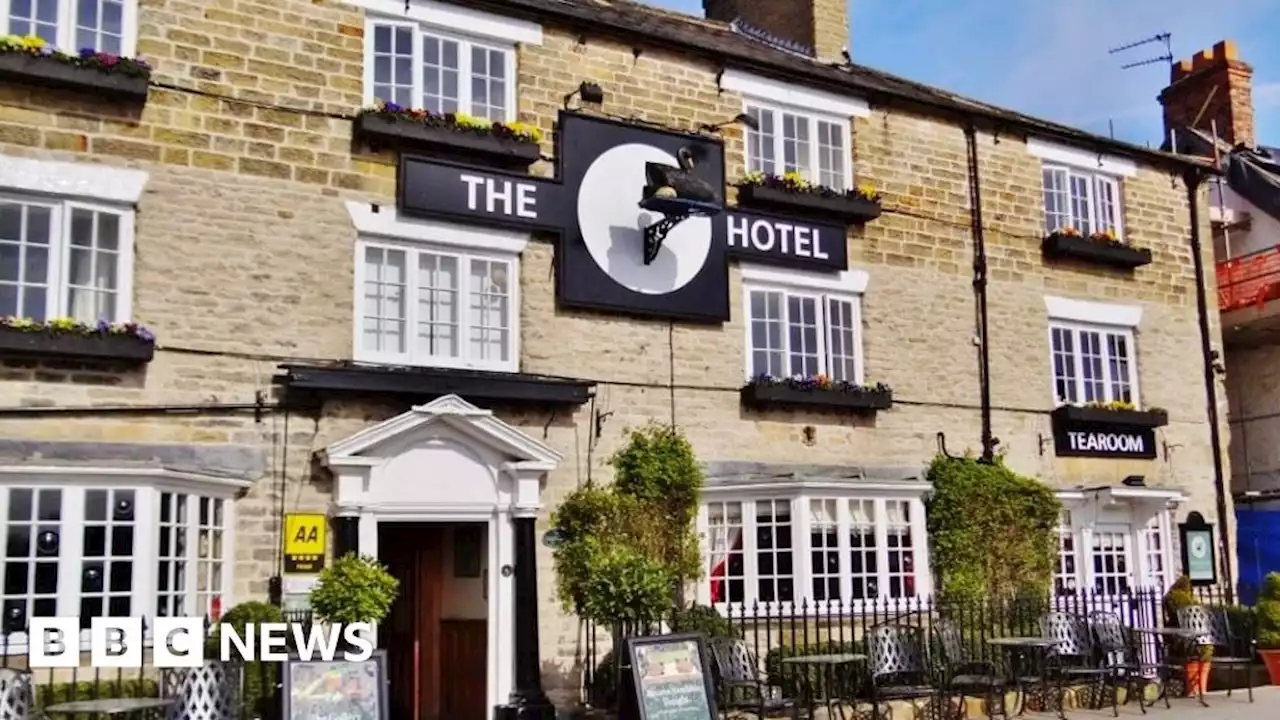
<point>1163,38</point>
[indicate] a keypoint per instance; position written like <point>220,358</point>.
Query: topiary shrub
<point>1180,595</point>
<point>259,678</point>
<point>974,503</point>
<point>354,589</point>
<point>1267,612</point>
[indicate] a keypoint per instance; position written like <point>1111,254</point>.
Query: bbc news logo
<point>179,642</point>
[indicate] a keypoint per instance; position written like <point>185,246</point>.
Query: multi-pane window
<point>1066,571</point>
<point>1086,201</point>
<point>836,552</point>
<point>72,25</point>
<point>109,551</point>
<point>419,68</point>
<point>806,334</point>
<point>62,259</point>
<point>1093,364</point>
<point>790,141</point>
<point>423,307</point>
<point>1155,555</point>
<point>1111,562</point>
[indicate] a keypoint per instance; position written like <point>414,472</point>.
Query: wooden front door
<point>437,666</point>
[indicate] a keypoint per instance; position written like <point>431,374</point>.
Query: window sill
<point>761,395</point>
<point>425,384</point>
<point>49,72</point>
<point>381,131</point>
<point>1125,418</point>
<point>1060,246</point>
<point>855,210</point>
<point>126,348</point>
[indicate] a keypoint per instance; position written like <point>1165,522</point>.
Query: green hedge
<point>841,683</point>
<point>50,693</point>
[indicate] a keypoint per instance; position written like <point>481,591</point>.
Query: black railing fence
<point>775,632</point>
<point>259,689</point>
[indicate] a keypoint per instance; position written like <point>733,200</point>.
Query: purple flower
<point>392,108</point>
<point>103,326</point>
<point>87,52</point>
<point>144,334</point>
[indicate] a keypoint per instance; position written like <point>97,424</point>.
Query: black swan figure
<point>671,183</point>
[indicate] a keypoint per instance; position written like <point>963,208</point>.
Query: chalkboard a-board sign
<point>337,690</point>
<point>671,678</point>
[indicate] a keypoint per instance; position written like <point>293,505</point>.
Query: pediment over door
<point>446,454</point>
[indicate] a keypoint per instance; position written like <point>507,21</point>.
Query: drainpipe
<point>1193,178</point>
<point>980,292</point>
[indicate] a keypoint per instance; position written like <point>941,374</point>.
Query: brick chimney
<point>1213,86</point>
<point>821,24</point>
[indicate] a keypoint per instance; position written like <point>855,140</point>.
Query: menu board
<point>337,690</point>
<point>672,677</point>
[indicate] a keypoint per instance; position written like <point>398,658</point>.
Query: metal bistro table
<point>140,707</point>
<point>1020,648</point>
<point>832,664</point>
<point>1192,637</point>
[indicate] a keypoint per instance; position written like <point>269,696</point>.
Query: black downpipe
<point>1193,178</point>
<point>980,292</point>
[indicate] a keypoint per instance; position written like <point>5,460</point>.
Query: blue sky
<point>1049,57</point>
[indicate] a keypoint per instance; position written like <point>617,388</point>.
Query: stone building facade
<point>262,230</point>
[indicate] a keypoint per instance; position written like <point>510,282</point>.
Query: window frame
<point>824,293</point>
<point>465,42</point>
<point>799,498</point>
<point>813,118</point>
<point>56,295</point>
<point>1085,522</point>
<point>1094,179</point>
<point>148,487</point>
<point>67,28</point>
<point>413,246</point>
<point>1076,327</point>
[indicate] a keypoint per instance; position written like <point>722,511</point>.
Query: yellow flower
<point>754,178</point>
<point>867,190</point>
<point>527,130</point>
<point>795,179</point>
<point>33,42</point>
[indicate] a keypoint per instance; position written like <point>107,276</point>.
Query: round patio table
<point>828,662</point>
<point>1020,648</point>
<point>114,706</point>
<point>1191,636</point>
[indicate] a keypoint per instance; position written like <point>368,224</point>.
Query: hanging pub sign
<point>640,214</point>
<point>1199,562</point>
<point>669,679</point>
<point>1104,433</point>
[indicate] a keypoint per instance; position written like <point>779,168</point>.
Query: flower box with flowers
<point>1102,247</point>
<point>28,59</point>
<point>1114,413</point>
<point>67,338</point>
<point>794,193</point>
<point>820,390</point>
<point>509,145</point>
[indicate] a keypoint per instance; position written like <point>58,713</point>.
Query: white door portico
<point>448,461</point>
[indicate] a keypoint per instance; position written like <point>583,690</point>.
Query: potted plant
<point>354,589</point>
<point>1101,246</point>
<point>1267,612</point>
<point>1197,665</point>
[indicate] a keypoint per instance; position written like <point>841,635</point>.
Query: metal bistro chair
<point>741,686</point>
<point>1215,628</point>
<point>897,666</point>
<point>15,695</point>
<point>1119,656</point>
<point>208,692</point>
<point>964,677</point>
<point>1072,658</point>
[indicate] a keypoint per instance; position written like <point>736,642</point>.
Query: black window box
<point>38,70</point>
<point>465,145</point>
<point>761,395</point>
<point>425,384</point>
<point>844,207</point>
<point>1102,416</point>
<point>1082,248</point>
<point>75,346</point>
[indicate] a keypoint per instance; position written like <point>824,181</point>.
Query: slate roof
<point>1253,172</point>
<point>717,40</point>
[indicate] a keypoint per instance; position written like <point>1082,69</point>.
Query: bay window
<point>831,548</point>
<point>792,140</point>
<point>108,26</point>
<point>416,66</point>
<point>112,543</point>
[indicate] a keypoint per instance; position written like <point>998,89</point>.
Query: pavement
<point>1265,706</point>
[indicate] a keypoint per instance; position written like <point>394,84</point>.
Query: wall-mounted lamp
<point>1135,481</point>
<point>589,92</point>
<point>740,118</point>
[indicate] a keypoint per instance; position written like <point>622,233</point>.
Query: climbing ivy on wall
<point>624,547</point>
<point>993,532</point>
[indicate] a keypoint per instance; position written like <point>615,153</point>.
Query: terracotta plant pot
<point>1197,675</point>
<point>1271,658</point>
